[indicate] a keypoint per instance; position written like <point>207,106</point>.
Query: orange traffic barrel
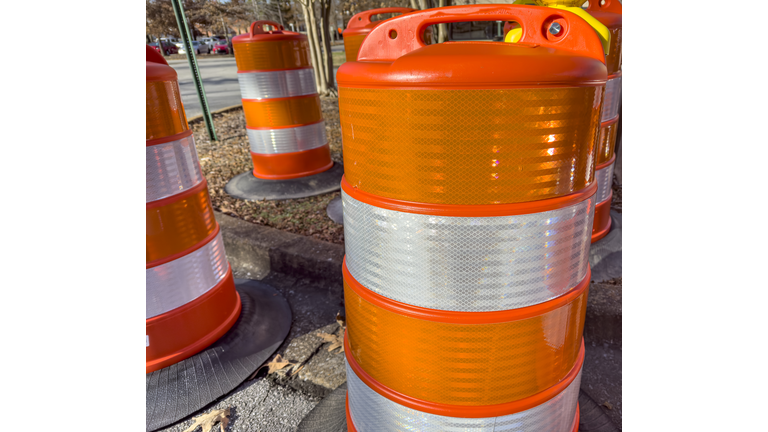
<point>360,25</point>
<point>468,197</point>
<point>609,14</point>
<point>283,116</point>
<point>191,297</point>
<point>204,333</point>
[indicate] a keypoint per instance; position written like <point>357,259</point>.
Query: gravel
<point>230,156</point>
<point>277,408</point>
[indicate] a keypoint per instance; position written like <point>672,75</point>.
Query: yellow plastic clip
<point>515,34</point>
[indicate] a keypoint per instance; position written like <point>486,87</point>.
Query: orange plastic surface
<point>470,146</point>
<point>292,53</point>
<point>189,329</point>
<point>399,36</point>
<point>165,112</point>
<point>606,143</point>
<point>609,14</point>
<point>284,166</point>
<point>352,46</point>
<point>601,224</point>
<point>462,411</point>
<point>487,210</point>
<point>282,112</point>
<point>444,361</point>
<point>178,223</point>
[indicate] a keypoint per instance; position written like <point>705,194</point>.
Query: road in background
<point>219,79</point>
<point>220,82</point>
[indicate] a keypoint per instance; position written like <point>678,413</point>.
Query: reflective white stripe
<point>287,140</point>
<point>604,178</point>
<point>468,264</point>
<point>612,98</point>
<point>184,279</point>
<point>372,412</point>
<point>276,84</point>
<point>172,168</point>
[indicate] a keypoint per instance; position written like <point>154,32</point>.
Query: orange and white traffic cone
<point>360,25</point>
<point>199,328</point>
<point>468,197</point>
<point>284,121</point>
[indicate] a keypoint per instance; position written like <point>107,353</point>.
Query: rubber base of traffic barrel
<point>179,390</point>
<point>329,415</point>
<point>246,186</point>
<point>335,210</point>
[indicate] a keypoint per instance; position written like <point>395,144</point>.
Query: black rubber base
<point>181,389</point>
<point>335,211</point>
<point>330,415</point>
<point>246,186</point>
<point>605,254</point>
<point>592,418</point>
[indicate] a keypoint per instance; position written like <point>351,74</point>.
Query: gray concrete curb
<point>198,118</point>
<point>255,250</point>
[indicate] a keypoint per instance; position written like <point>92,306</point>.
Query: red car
<point>221,47</point>
<point>169,48</point>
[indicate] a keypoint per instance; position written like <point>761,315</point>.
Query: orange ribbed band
<point>275,55</point>
<point>602,221</point>
<point>187,330</point>
<point>352,46</point>
<point>165,112</point>
<point>470,146</point>
<point>606,144</point>
<point>179,222</point>
<point>613,59</point>
<point>283,166</point>
<point>464,358</point>
<point>283,112</point>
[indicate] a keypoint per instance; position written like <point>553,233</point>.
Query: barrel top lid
<point>267,31</point>
<point>361,23</point>
<point>477,64</point>
<point>157,67</point>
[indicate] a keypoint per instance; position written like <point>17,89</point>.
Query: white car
<point>199,48</point>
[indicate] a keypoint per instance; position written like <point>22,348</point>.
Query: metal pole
<point>181,21</point>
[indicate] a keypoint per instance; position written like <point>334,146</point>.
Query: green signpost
<point>186,37</point>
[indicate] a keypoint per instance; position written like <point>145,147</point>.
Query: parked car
<point>211,42</point>
<point>221,47</point>
<point>168,48</point>
<point>199,48</point>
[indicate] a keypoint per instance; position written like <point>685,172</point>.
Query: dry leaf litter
<point>230,156</point>
<point>207,421</point>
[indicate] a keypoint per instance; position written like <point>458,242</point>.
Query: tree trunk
<point>414,4</point>
<point>305,5</point>
<point>442,29</point>
<point>327,54</point>
<point>315,45</point>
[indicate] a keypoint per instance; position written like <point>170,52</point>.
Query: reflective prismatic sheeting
<point>612,98</point>
<point>276,84</point>
<point>274,55</point>
<point>184,279</point>
<point>179,223</point>
<point>172,168</point>
<point>278,113</point>
<point>165,113</point>
<point>352,46</point>
<point>468,264</point>
<point>604,183</point>
<point>372,412</point>
<point>470,146</point>
<point>606,144</point>
<point>464,364</point>
<point>287,140</point>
